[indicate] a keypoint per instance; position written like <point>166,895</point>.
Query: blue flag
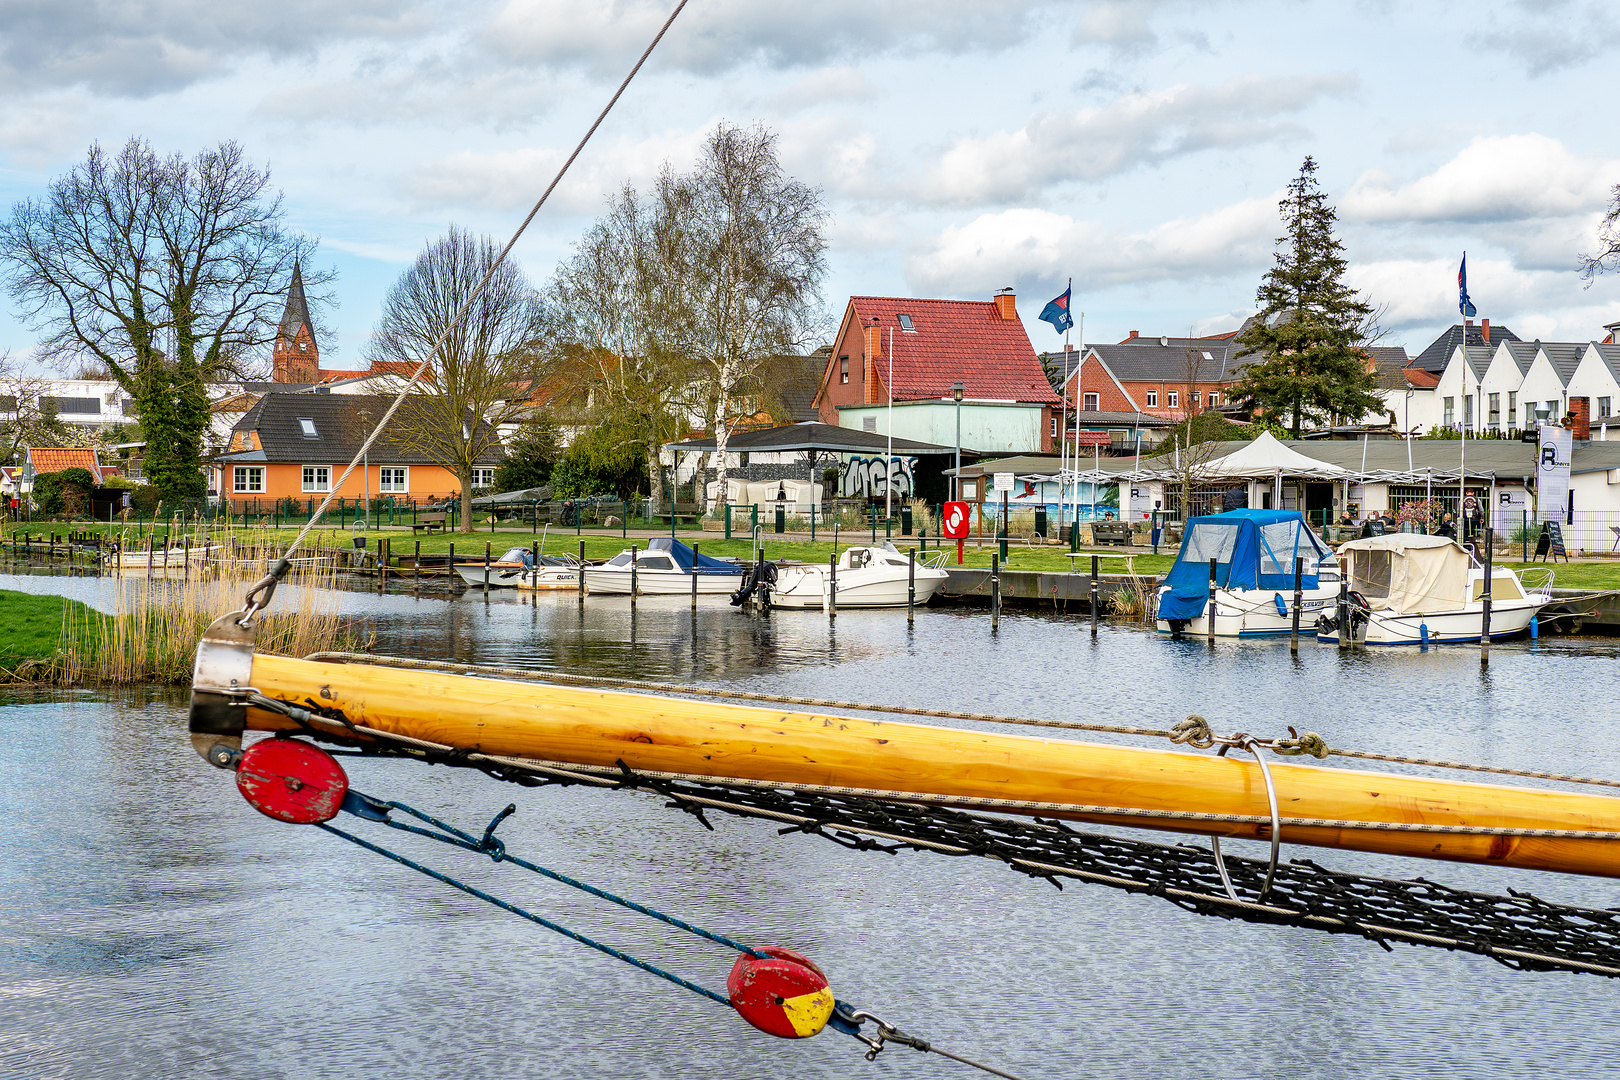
<point>1464,305</point>
<point>1057,312</point>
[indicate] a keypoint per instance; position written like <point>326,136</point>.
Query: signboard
<point>1551,542</point>
<point>1552,473</point>
<point>1004,481</point>
<point>956,520</point>
<point>970,489</point>
<point>1470,504</point>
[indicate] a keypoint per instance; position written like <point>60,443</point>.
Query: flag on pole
<point>1057,312</point>
<point>1464,305</point>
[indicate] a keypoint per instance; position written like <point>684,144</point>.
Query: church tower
<point>296,357</point>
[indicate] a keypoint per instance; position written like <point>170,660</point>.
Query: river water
<point>156,926</point>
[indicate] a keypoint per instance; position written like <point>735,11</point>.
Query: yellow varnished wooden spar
<point>595,727</point>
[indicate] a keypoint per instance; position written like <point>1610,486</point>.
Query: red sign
<point>956,520</point>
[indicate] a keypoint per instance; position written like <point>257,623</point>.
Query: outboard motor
<point>759,581</point>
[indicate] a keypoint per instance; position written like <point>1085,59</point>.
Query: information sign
<point>1004,481</point>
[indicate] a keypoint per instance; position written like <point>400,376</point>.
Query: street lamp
<point>956,395</point>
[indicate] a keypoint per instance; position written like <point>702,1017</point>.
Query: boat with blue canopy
<point>665,566</point>
<point>1252,594</point>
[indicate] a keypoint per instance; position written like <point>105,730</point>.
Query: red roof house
<point>43,460</point>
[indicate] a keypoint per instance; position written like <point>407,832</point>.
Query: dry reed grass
<point>157,619</point>
<point>1134,600</point>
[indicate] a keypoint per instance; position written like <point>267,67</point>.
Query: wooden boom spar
<point>722,741</point>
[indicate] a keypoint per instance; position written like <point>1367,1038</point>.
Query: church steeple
<point>296,356</point>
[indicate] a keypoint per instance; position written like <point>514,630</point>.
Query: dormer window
<point>307,426</point>
<point>906,325</point>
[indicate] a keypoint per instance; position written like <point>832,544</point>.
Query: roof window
<point>307,426</point>
<point>906,325</point>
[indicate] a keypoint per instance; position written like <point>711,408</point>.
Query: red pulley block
<point>291,781</point>
<point>785,995</point>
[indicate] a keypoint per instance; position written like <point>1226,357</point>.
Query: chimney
<point>1581,409</point>
<point>874,354</point>
<point>1133,336</point>
<point>1007,304</point>
<point>1485,330</point>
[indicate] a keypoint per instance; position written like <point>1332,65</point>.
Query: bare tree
<point>755,286</point>
<point>622,306</point>
<point>1607,255</point>
<point>165,271</point>
<point>483,371</point>
<point>1192,388</point>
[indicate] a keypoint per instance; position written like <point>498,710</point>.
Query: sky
<point>1136,147</point>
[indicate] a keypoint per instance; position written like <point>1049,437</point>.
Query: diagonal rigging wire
<point>466,305</point>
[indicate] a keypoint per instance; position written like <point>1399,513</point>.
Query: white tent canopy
<point>1269,458</point>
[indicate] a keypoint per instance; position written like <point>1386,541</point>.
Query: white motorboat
<point>667,568</point>
<point>1253,594</point>
<point>513,570</point>
<point>1410,589</point>
<point>868,577</point>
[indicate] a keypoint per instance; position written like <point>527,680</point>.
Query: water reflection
<point>155,925</point>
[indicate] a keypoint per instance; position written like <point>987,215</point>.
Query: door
<point>1319,503</point>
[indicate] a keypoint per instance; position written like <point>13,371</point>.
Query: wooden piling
<point>995,591</point>
<point>1299,599</point>
<point>1213,606</point>
<point>1094,596</point>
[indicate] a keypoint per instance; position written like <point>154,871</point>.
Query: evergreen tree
<point>1306,360</point>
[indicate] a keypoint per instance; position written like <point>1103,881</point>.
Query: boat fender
<point>1282,605</point>
<point>292,781</point>
<point>784,994</point>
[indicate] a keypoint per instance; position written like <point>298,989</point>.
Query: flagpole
<point>1077,405</point>
<point>1462,451</point>
<point>1063,427</point>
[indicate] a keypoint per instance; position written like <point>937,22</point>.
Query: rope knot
<point>1309,743</point>
<point>1194,731</point>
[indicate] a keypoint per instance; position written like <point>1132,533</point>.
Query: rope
<point>268,584</point>
<point>1194,730</point>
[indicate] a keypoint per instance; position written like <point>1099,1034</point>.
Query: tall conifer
<point>1304,348</point>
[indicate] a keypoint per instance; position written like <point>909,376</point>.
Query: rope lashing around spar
<point>774,989</point>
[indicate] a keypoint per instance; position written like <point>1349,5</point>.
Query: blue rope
<point>493,847</point>
<point>651,969</point>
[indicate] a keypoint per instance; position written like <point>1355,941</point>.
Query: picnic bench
<point>1111,532</point>
<point>429,522</point>
<point>674,512</point>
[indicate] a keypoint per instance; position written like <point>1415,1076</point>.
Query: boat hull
<point>1441,628</point>
<point>645,732</point>
<point>807,587</point>
<point>616,582</point>
<point>501,575</point>
<point>1252,613</point>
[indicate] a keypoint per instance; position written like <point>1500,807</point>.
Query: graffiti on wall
<point>869,478</point>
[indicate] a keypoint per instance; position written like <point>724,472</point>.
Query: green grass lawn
<point>31,626</point>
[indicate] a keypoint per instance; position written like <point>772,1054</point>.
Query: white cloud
<point>1549,36</point>
<point>1495,179</point>
<point>1144,128</point>
<point>1025,244</point>
<point>719,35</point>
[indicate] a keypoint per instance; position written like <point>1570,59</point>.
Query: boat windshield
<point>621,559</point>
<point>514,554</point>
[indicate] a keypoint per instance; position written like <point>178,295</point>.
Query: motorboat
<point>162,558</point>
<point>1411,589</point>
<point>1254,552</point>
<point>519,569</point>
<point>869,576</point>
<point>667,567</point>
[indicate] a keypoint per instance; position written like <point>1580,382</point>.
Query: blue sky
<point>962,146</point>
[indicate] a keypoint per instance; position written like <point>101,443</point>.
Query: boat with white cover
<point>513,570</point>
<point>668,567</point>
<point>869,576</point>
<point>1253,595</point>
<point>171,558</point>
<point>1411,589</point>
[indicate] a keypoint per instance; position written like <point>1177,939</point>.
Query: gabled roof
<point>48,459</point>
<point>296,314</point>
<point>1565,356</point>
<point>1389,365</point>
<point>341,421</point>
<point>794,380</point>
<point>1419,379</point>
<point>1478,359</point>
<point>1438,354</point>
<point>1523,354</point>
<point>1610,355</point>
<point>822,438</point>
<point>1152,362</point>
<point>953,340</point>
<point>1106,417</point>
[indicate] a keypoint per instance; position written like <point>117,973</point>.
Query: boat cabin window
<point>656,562</point>
<point>621,559</point>
<point>892,561</point>
<point>515,554</point>
<point>1370,573</point>
<point>1209,541</point>
<point>1503,587</point>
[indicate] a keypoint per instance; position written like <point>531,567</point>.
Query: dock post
<point>694,568</point>
<point>832,586</point>
<point>1299,598</point>
<point>451,564</point>
<point>486,567</point>
<point>1094,596</point>
<point>1485,607</point>
<point>1212,603</point>
<point>582,573</point>
<point>995,591</point>
<point>911,585</point>
<point>632,575</point>
<point>416,583</point>
<point>1344,610</point>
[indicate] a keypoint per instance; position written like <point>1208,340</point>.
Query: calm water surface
<point>156,926</point>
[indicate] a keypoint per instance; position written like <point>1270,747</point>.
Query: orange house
<point>297,445</point>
